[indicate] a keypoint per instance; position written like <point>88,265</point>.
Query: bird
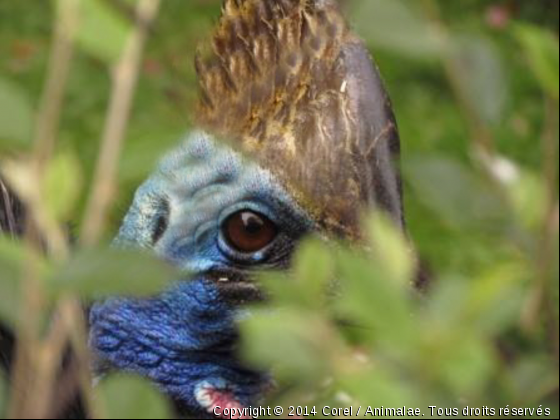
<point>294,134</point>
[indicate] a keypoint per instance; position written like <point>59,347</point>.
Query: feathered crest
<point>288,82</point>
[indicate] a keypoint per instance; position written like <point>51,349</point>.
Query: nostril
<point>162,222</point>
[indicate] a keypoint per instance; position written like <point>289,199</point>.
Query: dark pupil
<point>252,223</point>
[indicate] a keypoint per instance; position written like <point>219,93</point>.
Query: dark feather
<point>11,212</point>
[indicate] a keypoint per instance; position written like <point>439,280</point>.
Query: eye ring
<point>247,231</point>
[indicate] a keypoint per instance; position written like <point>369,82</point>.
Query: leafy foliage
<point>127,397</point>
<point>102,273</point>
<point>16,116</point>
<point>3,395</point>
<point>475,89</point>
<point>477,337</point>
<point>394,346</point>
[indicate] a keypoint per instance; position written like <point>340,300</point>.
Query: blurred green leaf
<point>395,26</point>
<point>381,387</point>
<point>145,145</point>
<point>13,256</point>
<point>456,194</point>
<point>390,251</point>
<point>541,48</point>
<point>527,373</point>
<point>104,272</point>
<point>102,31</point>
<point>307,284</point>
<point>291,340</point>
<point>3,395</point>
<point>445,322</point>
<point>495,296</point>
<point>488,303</point>
<point>16,116</point>
<point>62,185</point>
<point>313,265</point>
<point>528,199</point>
<point>465,368</point>
<point>447,297</point>
<point>129,397</point>
<point>481,76</point>
<point>313,269</point>
<point>375,302</point>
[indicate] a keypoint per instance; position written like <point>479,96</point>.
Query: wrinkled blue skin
<point>184,339</point>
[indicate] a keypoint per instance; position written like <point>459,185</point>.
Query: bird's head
<point>296,135</point>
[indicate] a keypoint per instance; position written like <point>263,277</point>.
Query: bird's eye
<point>247,231</point>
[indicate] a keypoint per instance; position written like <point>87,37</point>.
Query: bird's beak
<point>236,287</point>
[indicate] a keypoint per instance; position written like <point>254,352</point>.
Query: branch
<point>125,75</point>
<point>27,362</point>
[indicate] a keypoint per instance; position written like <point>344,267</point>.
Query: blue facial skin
<point>184,339</point>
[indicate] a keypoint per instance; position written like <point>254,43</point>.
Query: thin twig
<point>543,306</point>
<point>76,323</point>
<point>125,75</point>
<point>27,361</point>
<point>49,357</point>
<point>480,134</point>
<point>48,119</point>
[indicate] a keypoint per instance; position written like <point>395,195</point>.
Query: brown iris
<point>247,231</point>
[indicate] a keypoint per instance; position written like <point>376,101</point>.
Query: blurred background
<point>474,86</point>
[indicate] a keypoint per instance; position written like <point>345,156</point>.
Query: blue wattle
<point>181,340</point>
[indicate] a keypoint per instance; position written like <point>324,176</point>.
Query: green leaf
<point>541,48</point>
<point>313,268</point>
<point>528,199</point>
<point>444,309</point>
<point>16,116</point>
<point>481,76</point>
<point>102,32</point>
<point>106,272</point>
<point>290,340</point>
<point>130,397</point>
<point>531,378</point>
<point>390,250</point>
<point>495,297</point>
<point>395,26</point>
<point>489,302</point>
<point>465,368</point>
<point>3,396</point>
<point>381,386</point>
<point>62,185</point>
<point>142,151</point>
<point>307,284</point>
<point>454,192</point>
<point>13,256</point>
<point>375,302</point>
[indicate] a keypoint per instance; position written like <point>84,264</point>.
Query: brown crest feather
<point>283,81</point>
